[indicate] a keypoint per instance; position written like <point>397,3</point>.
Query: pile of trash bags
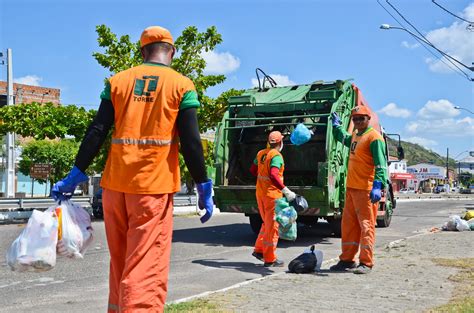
<point>286,216</point>
<point>456,223</point>
<point>63,229</point>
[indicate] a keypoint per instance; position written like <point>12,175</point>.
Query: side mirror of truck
<point>400,153</point>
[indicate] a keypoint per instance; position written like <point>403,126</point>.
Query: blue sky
<point>295,41</point>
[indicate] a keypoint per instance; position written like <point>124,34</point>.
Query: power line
<point>426,39</point>
<point>460,72</point>
<point>462,19</point>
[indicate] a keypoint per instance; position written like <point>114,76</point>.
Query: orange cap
<point>275,137</point>
<point>361,110</point>
<point>155,34</point>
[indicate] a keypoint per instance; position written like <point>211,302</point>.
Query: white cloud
<point>454,40</point>
<point>405,44</point>
<point>31,80</point>
<point>220,62</point>
<point>440,109</point>
<point>425,142</point>
<point>281,80</point>
<point>393,110</point>
<point>443,127</point>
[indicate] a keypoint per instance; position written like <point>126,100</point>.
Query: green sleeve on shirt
<point>277,161</point>
<point>255,161</point>
<point>106,92</point>
<point>189,100</point>
<point>377,148</point>
<point>342,135</point>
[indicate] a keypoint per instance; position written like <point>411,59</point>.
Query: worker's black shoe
<point>343,266</point>
<point>362,269</point>
<point>276,263</point>
<point>258,255</point>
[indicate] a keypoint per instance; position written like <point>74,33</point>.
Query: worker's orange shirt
<point>143,157</point>
<point>265,186</point>
<point>361,171</point>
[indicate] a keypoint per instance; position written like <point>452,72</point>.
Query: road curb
<point>324,264</point>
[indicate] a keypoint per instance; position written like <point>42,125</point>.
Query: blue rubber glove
<point>376,193</point>
<point>335,119</point>
<point>64,189</point>
<point>205,199</point>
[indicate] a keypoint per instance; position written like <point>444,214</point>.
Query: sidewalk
<point>404,279</point>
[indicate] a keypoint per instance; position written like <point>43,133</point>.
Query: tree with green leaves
<point>46,120</point>
<point>59,153</point>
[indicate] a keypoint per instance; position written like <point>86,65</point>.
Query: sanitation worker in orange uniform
<point>366,177</point>
<point>149,105</point>
<point>268,166</point>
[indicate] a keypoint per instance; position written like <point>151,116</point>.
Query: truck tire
<point>255,223</point>
<point>387,218</point>
<point>335,226</point>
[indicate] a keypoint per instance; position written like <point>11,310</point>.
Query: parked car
<point>97,204</point>
<point>407,190</point>
<point>439,188</point>
<point>465,190</point>
<point>78,191</point>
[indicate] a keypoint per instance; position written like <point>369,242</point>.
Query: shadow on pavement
<point>240,235</point>
<point>247,267</point>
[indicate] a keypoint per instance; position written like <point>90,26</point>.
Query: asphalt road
<point>204,258</point>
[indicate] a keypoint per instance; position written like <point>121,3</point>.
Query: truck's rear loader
<point>317,169</point>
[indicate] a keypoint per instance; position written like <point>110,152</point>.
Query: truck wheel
<point>387,218</point>
<point>255,223</point>
<point>98,212</point>
<point>335,226</point>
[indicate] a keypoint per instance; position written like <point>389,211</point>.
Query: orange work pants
<point>358,227</point>
<point>139,230</point>
<point>267,239</point>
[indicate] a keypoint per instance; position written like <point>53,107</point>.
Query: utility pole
<point>447,165</point>
<point>9,177</point>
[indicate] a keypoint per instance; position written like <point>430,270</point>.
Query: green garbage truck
<point>316,170</point>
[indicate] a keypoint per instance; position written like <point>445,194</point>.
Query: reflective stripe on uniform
<point>368,247</point>
<point>350,243</point>
<point>269,244</point>
<point>263,177</point>
<point>132,141</point>
<point>113,307</point>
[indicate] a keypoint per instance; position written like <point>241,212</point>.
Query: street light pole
<point>461,108</point>
<point>9,177</point>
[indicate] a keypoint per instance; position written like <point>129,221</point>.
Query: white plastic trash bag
<point>35,247</point>
<point>456,223</point>
<point>75,232</point>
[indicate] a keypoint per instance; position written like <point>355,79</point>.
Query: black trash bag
<point>304,263</point>
<point>299,203</point>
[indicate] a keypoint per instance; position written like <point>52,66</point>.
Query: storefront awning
<point>402,176</point>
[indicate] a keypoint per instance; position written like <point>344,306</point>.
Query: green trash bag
<point>285,215</point>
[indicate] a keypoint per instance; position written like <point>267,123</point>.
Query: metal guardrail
<point>9,204</point>
<point>186,200</point>
<point>429,196</point>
